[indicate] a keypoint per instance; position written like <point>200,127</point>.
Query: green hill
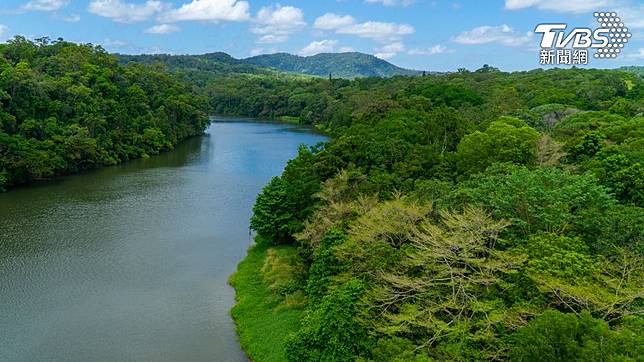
<point>216,63</point>
<point>341,65</point>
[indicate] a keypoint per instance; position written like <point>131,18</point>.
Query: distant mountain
<point>213,63</point>
<point>340,65</point>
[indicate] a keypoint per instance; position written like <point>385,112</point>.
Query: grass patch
<point>268,304</point>
<point>291,120</point>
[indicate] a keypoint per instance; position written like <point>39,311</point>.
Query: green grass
<point>291,120</point>
<point>264,316</point>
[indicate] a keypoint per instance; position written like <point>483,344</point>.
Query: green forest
<point>65,108</point>
<point>471,215</point>
<point>466,216</point>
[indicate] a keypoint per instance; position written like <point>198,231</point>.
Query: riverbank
<point>266,309</point>
<point>165,232</point>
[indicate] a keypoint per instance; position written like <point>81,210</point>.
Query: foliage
<point>473,209</point>
<point>556,336</point>
<point>506,140</point>
<point>464,205</point>
<point>272,214</point>
<point>330,331</point>
<point>67,107</point>
<point>546,199</point>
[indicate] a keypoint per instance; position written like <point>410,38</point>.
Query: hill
<point>215,63</point>
<point>340,65</point>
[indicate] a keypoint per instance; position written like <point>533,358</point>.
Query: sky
<point>419,34</point>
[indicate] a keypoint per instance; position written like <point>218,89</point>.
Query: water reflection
<point>130,262</point>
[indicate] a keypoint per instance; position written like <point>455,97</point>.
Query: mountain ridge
<point>338,65</point>
<point>341,65</point>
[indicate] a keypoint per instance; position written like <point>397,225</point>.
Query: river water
<point>130,263</point>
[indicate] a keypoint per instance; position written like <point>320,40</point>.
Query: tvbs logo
<point>559,46</point>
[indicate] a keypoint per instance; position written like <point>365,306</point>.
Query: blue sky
<point>421,34</point>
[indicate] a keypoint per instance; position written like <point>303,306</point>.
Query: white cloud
<point>502,34</point>
<point>377,30</point>
<point>3,30</point>
<point>274,24</point>
<point>391,2</point>
<point>162,29</point>
<point>45,5</point>
<point>384,56</point>
<point>638,55</point>
<point>256,51</point>
<point>114,43</point>
<point>209,10</point>
<point>633,17</point>
<point>572,6</point>
<point>436,49</point>
<point>272,39</point>
<point>390,50</point>
<point>124,12</point>
<point>316,47</point>
<point>346,49</point>
<point>72,18</point>
<point>331,21</point>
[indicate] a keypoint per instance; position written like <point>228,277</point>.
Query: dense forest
<point>473,215</point>
<point>467,216</point>
<point>66,107</point>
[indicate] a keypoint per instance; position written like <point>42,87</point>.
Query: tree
<point>330,332</point>
<point>506,140</point>
<point>272,214</point>
<point>544,199</point>
<point>556,336</point>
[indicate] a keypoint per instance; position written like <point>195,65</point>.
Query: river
<point>130,263</point>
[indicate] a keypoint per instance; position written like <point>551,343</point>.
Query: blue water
<point>130,263</point>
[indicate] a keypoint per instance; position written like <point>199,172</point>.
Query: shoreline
<point>265,313</point>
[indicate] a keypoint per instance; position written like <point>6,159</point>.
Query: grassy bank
<point>267,307</point>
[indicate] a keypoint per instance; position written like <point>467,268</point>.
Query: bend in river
<point>130,263</point>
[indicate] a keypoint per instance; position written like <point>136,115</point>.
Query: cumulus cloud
<point>632,16</point>
<point>274,24</point>
<point>162,29</point>
<point>391,2</point>
<point>3,30</point>
<point>436,49</point>
<point>125,12</point>
<point>390,50</point>
<point>114,43</point>
<point>45,5</point>
<point>638,55</point>
<point>209,10</point>
<point>572,6</point>
<point>317,47</point>
<point>256,51</point>
<point>376,30</point>
<point>331,21</point>
<point>502,34</point>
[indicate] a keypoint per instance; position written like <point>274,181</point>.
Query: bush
<point>330,332</point>
<point>556,336</point>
